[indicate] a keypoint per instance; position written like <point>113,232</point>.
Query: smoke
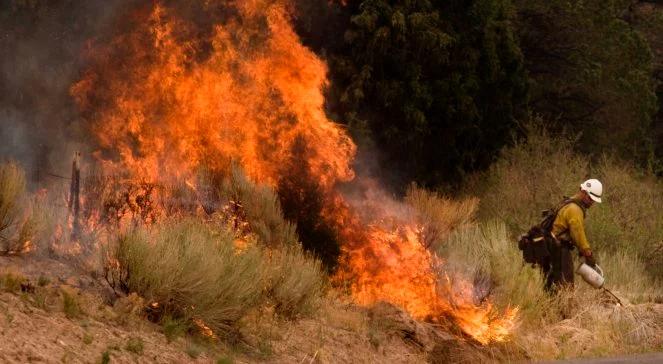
<point>41,45</point>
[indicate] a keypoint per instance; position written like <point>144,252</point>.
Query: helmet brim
<point>596,199</point>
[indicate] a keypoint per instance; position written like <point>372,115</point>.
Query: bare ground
<point>35,326</point>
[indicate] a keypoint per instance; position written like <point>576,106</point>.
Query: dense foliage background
<point>440,86</point>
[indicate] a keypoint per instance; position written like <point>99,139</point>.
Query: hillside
<point>316,181</point>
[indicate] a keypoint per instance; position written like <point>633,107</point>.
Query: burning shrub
<point>296,281</point>
<point>189,271</point>
<point>439,215</point>
<point>261,209</point>
<point>303,200</point>
<point>12,189</point>
<point>485,254</point>
<point>531,176</point>
<point>18,225</point>
<point>572,323</point>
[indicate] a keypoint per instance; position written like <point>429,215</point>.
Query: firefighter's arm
<point>577,230</point>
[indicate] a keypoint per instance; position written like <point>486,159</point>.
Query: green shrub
<point>261,207</point>
<point>296,281</point>
<point>71,305</point>
<point>135,345</point>
<point>11,282</point>
<point>191,271</point>
<point>194,350</point>
<point>43,281</point>
<point>174,328</point>
<point>528,178</point>
<point>88,339</point>
<point>225,360</point>
<point>105,357</point>
<point>534,174</point>
<point>629,220</point>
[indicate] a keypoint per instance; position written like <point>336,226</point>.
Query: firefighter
<point>569,232</point>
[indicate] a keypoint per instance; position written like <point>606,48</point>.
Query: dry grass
<point>17,226</point>
<point>261,208</point>
<point>534,175</point>
<point>576,323</point>
<point>296,281</point>
<point>12,189</point>
<point>624,230</point>
<point>191,271</point>
<point>440,215</point>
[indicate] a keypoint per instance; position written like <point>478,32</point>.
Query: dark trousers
<point>559,268</point>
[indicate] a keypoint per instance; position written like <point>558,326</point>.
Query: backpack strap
<point>550,215</point>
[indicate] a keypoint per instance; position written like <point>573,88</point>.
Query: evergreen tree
<point>591,72</point>
<point>437,85</point>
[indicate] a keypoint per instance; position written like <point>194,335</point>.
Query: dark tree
<point>436,85</point>
<point>302,200</point>
<point>591,72</point>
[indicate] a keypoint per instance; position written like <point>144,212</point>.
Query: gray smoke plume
<point>41,43</point>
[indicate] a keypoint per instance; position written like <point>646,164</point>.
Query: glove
<point>589,258</point>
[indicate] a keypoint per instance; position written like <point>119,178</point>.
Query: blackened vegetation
<point>302,200</point>
<point>110,199</point>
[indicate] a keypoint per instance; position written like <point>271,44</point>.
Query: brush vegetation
<point>624,231</point>
<point>193,271</point>
<point>20,219</point>
<point>261,209</point>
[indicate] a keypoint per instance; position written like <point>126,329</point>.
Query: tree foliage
<point>437,85</point>
<point>591,71</point>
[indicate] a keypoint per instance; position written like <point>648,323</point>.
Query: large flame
<point>386,260</point>
<point>164,104</point>
<point>170,94</point>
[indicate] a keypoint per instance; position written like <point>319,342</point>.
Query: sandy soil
<point>34,328</point>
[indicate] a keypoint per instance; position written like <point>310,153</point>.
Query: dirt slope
<point>35,326</point>
<point>53,312</point>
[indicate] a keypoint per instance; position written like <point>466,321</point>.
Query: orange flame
<point>181,107</point>
<point>387,262</point>
<point>167,97</point>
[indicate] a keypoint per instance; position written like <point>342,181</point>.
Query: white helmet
<point>594,189</point>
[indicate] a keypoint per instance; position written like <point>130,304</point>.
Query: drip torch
<point>594,277</point>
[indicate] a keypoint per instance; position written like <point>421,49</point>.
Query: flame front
<point>386,261</point>
<point>165,104</point>
<point>167,96</point>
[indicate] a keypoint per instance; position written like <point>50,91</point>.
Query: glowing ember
<point>166,98</point>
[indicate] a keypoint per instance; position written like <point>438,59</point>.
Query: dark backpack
<point>536,243</point>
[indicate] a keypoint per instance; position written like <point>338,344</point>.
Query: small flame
<point>204,329</point>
